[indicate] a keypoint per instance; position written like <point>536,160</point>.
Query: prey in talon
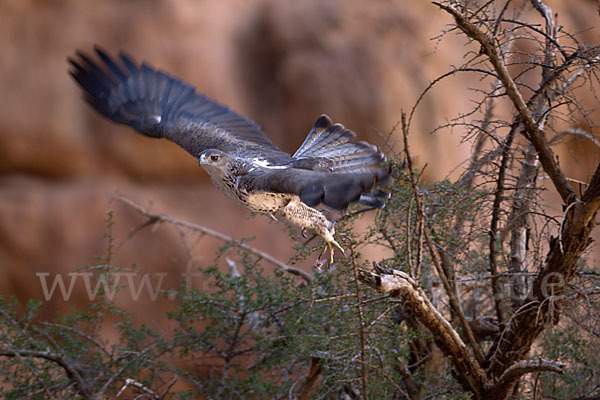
<point>330,168</point>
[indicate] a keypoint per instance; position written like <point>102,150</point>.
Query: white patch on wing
<point>157,118</point>
<point>265,164</point>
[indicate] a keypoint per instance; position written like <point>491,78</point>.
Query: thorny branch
<point>533,133</point>
<point>140,387</point>
<point>452,295</point>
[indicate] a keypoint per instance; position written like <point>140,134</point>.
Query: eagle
<point>329,168</point>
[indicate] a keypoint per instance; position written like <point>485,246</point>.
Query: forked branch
<point>401,285</point>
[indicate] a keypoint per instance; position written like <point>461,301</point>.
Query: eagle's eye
<point>214,158</point>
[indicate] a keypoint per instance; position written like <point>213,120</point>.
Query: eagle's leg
<point>307,217</point>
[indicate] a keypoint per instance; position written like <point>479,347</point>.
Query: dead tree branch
<point>533,132</point>
<point>159,218</point>
<point>561,262</point>
<point>518,223</point>
<point>515,371</point>
<point>497,375</point>
<point>498,196</point>
<point>402,286</point>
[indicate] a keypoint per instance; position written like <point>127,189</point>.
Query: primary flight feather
<point>328,168</point>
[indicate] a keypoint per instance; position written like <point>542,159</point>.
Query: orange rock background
<point>281,63</point>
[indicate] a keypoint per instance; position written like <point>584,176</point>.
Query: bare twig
<point>421,230</point>
<point>512,374</point>
<point>453,299</point>
<point>411,269</point>
<point>452,295</point>
<point>534,134</point>
<point>361,324</point>
<point>158,218</point>
<point>518,221</point>
<point>169,387</point>
<point>230,353</point>
<point>140,387</point>
<point>411,386</point>
<point>498,196</point>
<point>575,132</point>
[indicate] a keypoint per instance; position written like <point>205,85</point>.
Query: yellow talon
<point>331,243</point>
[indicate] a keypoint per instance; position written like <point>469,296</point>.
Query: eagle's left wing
<point>159,105</point>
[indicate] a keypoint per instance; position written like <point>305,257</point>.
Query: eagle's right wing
<point>331,169</point>
<point>329,147</point>
<point>159,105</point>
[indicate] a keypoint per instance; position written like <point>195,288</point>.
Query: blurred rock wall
<point>281,63</point>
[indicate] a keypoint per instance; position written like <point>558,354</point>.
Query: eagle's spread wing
<point>159,105</point>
